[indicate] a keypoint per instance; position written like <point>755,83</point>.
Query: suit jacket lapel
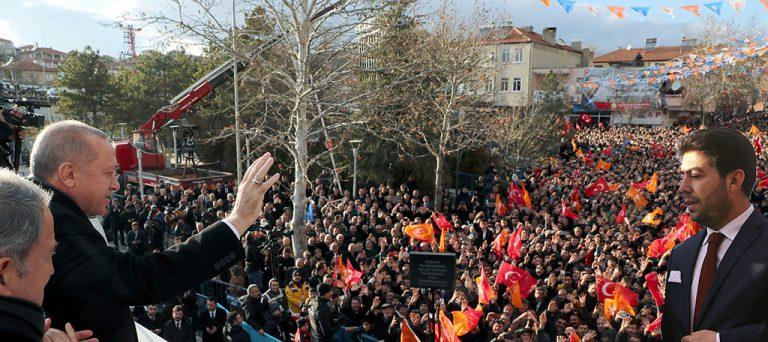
<point>744,239</point>
<point>688,258</point>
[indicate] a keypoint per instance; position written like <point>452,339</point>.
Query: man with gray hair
<point>26,247</point>
<point>94,284</point>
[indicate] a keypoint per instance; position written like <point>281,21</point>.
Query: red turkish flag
<point>652,283</point>
<point>622,214</point>
<point>598,187</point>
<point>509,274</point>
<point>515,243</point>
<point>515,195</point>
<point>655,325</point>
<point>442,222</point>
<point>566,212</point>
<point>605,290</point>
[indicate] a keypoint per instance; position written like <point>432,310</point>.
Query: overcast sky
<point>72,24</point>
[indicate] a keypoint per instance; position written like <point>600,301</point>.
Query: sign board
<point>433,270</point>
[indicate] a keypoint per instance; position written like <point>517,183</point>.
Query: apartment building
<point>520,58</point>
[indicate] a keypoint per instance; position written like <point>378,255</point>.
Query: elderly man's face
<point>91,185</point>
<point>38,266</point>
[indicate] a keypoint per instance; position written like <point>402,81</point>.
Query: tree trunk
<point>301,133</point>
<point>299,197</point>
<point>439,166</point>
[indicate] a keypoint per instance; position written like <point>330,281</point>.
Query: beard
<point>713,209</point>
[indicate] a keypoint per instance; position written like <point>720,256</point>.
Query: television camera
<point>19,112</point>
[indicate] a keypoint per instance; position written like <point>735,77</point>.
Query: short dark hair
<point>728,149</point>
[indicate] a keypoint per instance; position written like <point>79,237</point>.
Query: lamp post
<point>236,90</point>
<point>355,147</point>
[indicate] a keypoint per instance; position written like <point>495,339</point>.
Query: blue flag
<point>714,6</point>
<point>641,10</point>
<point>567,5</point>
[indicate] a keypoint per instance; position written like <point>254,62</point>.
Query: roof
<point>4,40</point>
<point>518,35</point>
<point>659,54</point>
<point>28,65</point>
<point>44,50</point>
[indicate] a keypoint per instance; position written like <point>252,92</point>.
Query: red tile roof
<point>518,35</point>
<point>44,50</point>
<point>659,54</point>
<point>28,65</point>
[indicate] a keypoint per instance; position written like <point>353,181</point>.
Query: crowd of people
<point>284,294</point>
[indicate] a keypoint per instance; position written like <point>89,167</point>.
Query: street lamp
<point>355,146</point>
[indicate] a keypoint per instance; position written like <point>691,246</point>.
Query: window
<point>517,84</point>
<point>519,55</point>
<point>504,86</point>
<point>505,55</point>
<point>489,84</point>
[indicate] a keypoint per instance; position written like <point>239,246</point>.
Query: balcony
<point>675,101</point>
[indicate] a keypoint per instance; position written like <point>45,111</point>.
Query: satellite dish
<point>676,85</point>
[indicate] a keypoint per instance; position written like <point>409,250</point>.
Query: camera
<point>25,120</point>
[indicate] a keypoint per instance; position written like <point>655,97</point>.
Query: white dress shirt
<point>730,230</point>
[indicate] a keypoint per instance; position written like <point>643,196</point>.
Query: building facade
<point>519,60</point>
<point>7,50</point>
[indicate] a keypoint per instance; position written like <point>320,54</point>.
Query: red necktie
<point>708,269</point>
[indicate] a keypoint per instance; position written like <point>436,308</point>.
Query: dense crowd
<point>277,290</point>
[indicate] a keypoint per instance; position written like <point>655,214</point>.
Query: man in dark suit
<point>151,320</point>
<point>716,279</point>
<point>94,284</point>
<point>179,328</point>
<point>211,322</point>
<point>137,240</point>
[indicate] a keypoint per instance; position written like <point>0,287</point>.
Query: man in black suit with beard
<point>716,279</point>
<point>94,284</point>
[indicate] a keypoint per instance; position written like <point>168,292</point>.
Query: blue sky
<point>72,24</point>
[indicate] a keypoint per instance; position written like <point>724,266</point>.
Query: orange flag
<point>653,184</point>
<point>685,129</point>
<point>421,232</point>
<point>407,334</point>
<point>580,154</point>
<point>650,218</point>
<point>484,289</point>
<point>574,145</point>
<point>447,331</point>
<point>660,246</point>
<point>637,197</point>
<point>602,165</point>
<point>460,323</point>
<point>753,131</point>
<point>574,337</point>
<point>526,198</point>
<point>500,242</point>
<point>617,10</point>
<point>617,304</point>
<point>546,2</point>
<point>441,248</point>
<point>694,9</point>
<point>501,209</point>
<point>514,295</point>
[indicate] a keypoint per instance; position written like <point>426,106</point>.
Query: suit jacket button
<point>216,265</point>
<point>232,256</point>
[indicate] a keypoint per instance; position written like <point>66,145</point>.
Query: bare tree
<point>302,90</point>
<point>523,135</point>
<point>436,109</point>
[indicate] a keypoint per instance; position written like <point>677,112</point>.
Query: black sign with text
<point>433,270</point>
